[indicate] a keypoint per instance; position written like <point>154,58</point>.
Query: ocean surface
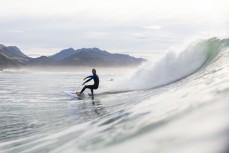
<point>178,103</point>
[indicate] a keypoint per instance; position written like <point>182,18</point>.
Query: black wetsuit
<point>94,86</point>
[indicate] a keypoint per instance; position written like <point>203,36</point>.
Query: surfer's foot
<point>78,93</point>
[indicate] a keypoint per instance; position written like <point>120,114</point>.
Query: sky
<point>44,27</point>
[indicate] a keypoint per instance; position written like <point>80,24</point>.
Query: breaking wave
<point>174,66</point>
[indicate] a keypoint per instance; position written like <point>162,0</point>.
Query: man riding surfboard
<point>95,77</point>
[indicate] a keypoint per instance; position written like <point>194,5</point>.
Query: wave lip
<point>174,65</point>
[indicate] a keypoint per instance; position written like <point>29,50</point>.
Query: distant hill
<point>12,51</point>
<point>97,57</point>
<point>41,61</point>
<point>63,54</point>
<point>2,46</point>
<point>15,51</point>
<point>12,57</point>
<point>6,62</point>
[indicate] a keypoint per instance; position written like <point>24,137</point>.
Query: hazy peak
<point>63,54</point>
<point>2,46</point>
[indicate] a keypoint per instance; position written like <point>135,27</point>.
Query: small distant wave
<point>173,66</point>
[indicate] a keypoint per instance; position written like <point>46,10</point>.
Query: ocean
<point>178,103</point>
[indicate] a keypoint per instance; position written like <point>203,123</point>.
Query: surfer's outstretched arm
<point>87,81</point>
<point>90,76</point>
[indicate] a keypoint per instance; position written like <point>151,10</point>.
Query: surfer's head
<point>93,71</point>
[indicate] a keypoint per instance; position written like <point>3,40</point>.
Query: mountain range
<point>12,57</point>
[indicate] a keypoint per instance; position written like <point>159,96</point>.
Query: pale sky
<point>44,27</point>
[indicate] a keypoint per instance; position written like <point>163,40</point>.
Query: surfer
<point>94,86</point>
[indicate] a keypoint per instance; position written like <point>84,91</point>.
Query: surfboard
<point>73,94</point>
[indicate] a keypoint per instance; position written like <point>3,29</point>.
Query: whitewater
<point>176,104</point>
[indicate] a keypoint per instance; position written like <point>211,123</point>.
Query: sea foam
<point>172,67</point>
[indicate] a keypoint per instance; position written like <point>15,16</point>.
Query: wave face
<point>173,66</point>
